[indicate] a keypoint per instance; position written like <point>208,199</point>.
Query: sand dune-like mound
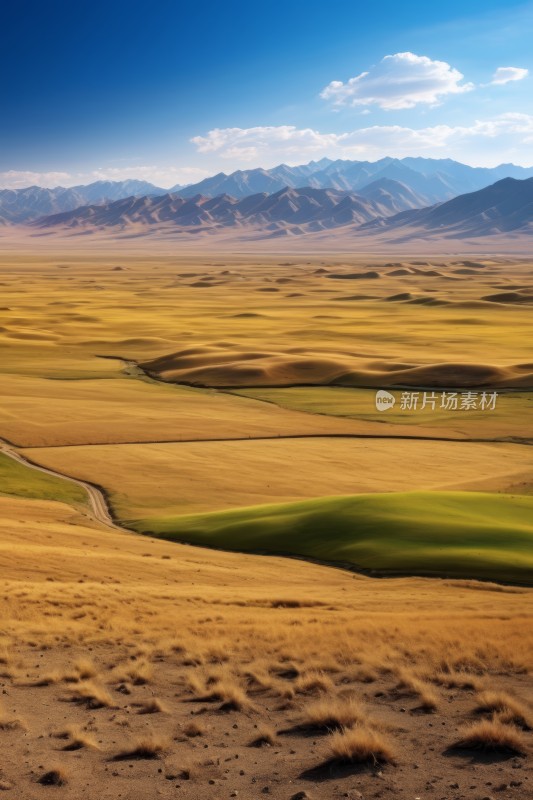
<point>398,298</point>
<point>224,367</point>
<point>444,376</point>
<point>350,276</point>
<point>509,297</point>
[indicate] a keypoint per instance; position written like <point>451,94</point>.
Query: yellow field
<point>109,637</point>
<point>164,479</point>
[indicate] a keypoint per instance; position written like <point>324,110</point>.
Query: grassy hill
<point>21,481</point>
<point>454,534</point>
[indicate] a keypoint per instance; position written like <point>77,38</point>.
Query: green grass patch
<point>448,534</point>
<point>340,401</point>
<point>21,481</point>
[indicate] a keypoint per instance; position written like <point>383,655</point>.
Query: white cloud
<point>160,176</point>
<point>18,179</point>
<point>403,80</point>
<point>506,133</point>
<point>505,75</point>
<point>248,144</point>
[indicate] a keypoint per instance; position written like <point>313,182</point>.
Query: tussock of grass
<point>93,695</point>
<point>410,685</point>
<point>265,736</point>
<point>332,714</point>
<point>77,738</point>
<point>224,689</point>
<point>139,673</point>
<point>457,680</point>
<point>313,681</point>
<point>56,776</point>
<point>193,729</point>
<point>508,708</point>
<point>152,706</point>
<point>150,746</point>
<point>492,735</point>
<point>360,745</point>
<point>85,669</point>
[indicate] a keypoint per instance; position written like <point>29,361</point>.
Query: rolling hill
<point>506,207</point>
<point>302,210</point>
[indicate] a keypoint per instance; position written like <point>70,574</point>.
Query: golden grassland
<point>141,479</point>
<point>136,667</point>
<point>125,643</point>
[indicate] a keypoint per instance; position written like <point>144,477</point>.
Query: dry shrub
<point>56,776</point>
<point>138,673</point>
<point>85,669</point>
<point>150,746</point>
<point>508,708</point>
<point>313,681</point>
<point>412,686</point>
<point>492,735</point>
<point>265,736</point>
<point>8,722</point>
<point>50,679</point>
<point>457,680</point>
<point>193,729</point>
<point>93,695</point>
<point>152,706</point>
<point>77,739</point>
<point>333,714</point>
<point>225,689</point>
<point>360,745</point>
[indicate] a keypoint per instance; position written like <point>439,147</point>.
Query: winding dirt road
<point>99,509</point>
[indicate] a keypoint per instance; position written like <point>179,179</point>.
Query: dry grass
<point>508,708</point>
<point>77,738</point>
<point>312,681</point>
<point>458,680</point>
<point>152,706</point>
<point>360,745</point>
<point>149,746</point>
<point>332,714</point>
<point>193,729</point>
<point>138,673</point>
<point>492,735</point>
<point>266,735</point>
<point>225,689</point>
<point>85,669</point>
<point>93,695</point>
<point>412,686</point>
<point>10,722</point>
<point>55,776</point>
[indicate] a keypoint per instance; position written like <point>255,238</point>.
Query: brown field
<point>133,667</point>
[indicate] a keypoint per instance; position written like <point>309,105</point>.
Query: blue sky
<point>173,92</point>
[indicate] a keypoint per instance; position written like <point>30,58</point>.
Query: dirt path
<point>99,509</point>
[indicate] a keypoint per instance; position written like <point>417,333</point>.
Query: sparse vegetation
<point>361,745</point>
<point>492,735</point>
<point>150,746</point>
<point>332,714</point>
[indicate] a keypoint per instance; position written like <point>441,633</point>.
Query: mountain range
<point>424,182</point>
<point>22,205</point>
<point>505,207</point>
<point>432,180</point>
